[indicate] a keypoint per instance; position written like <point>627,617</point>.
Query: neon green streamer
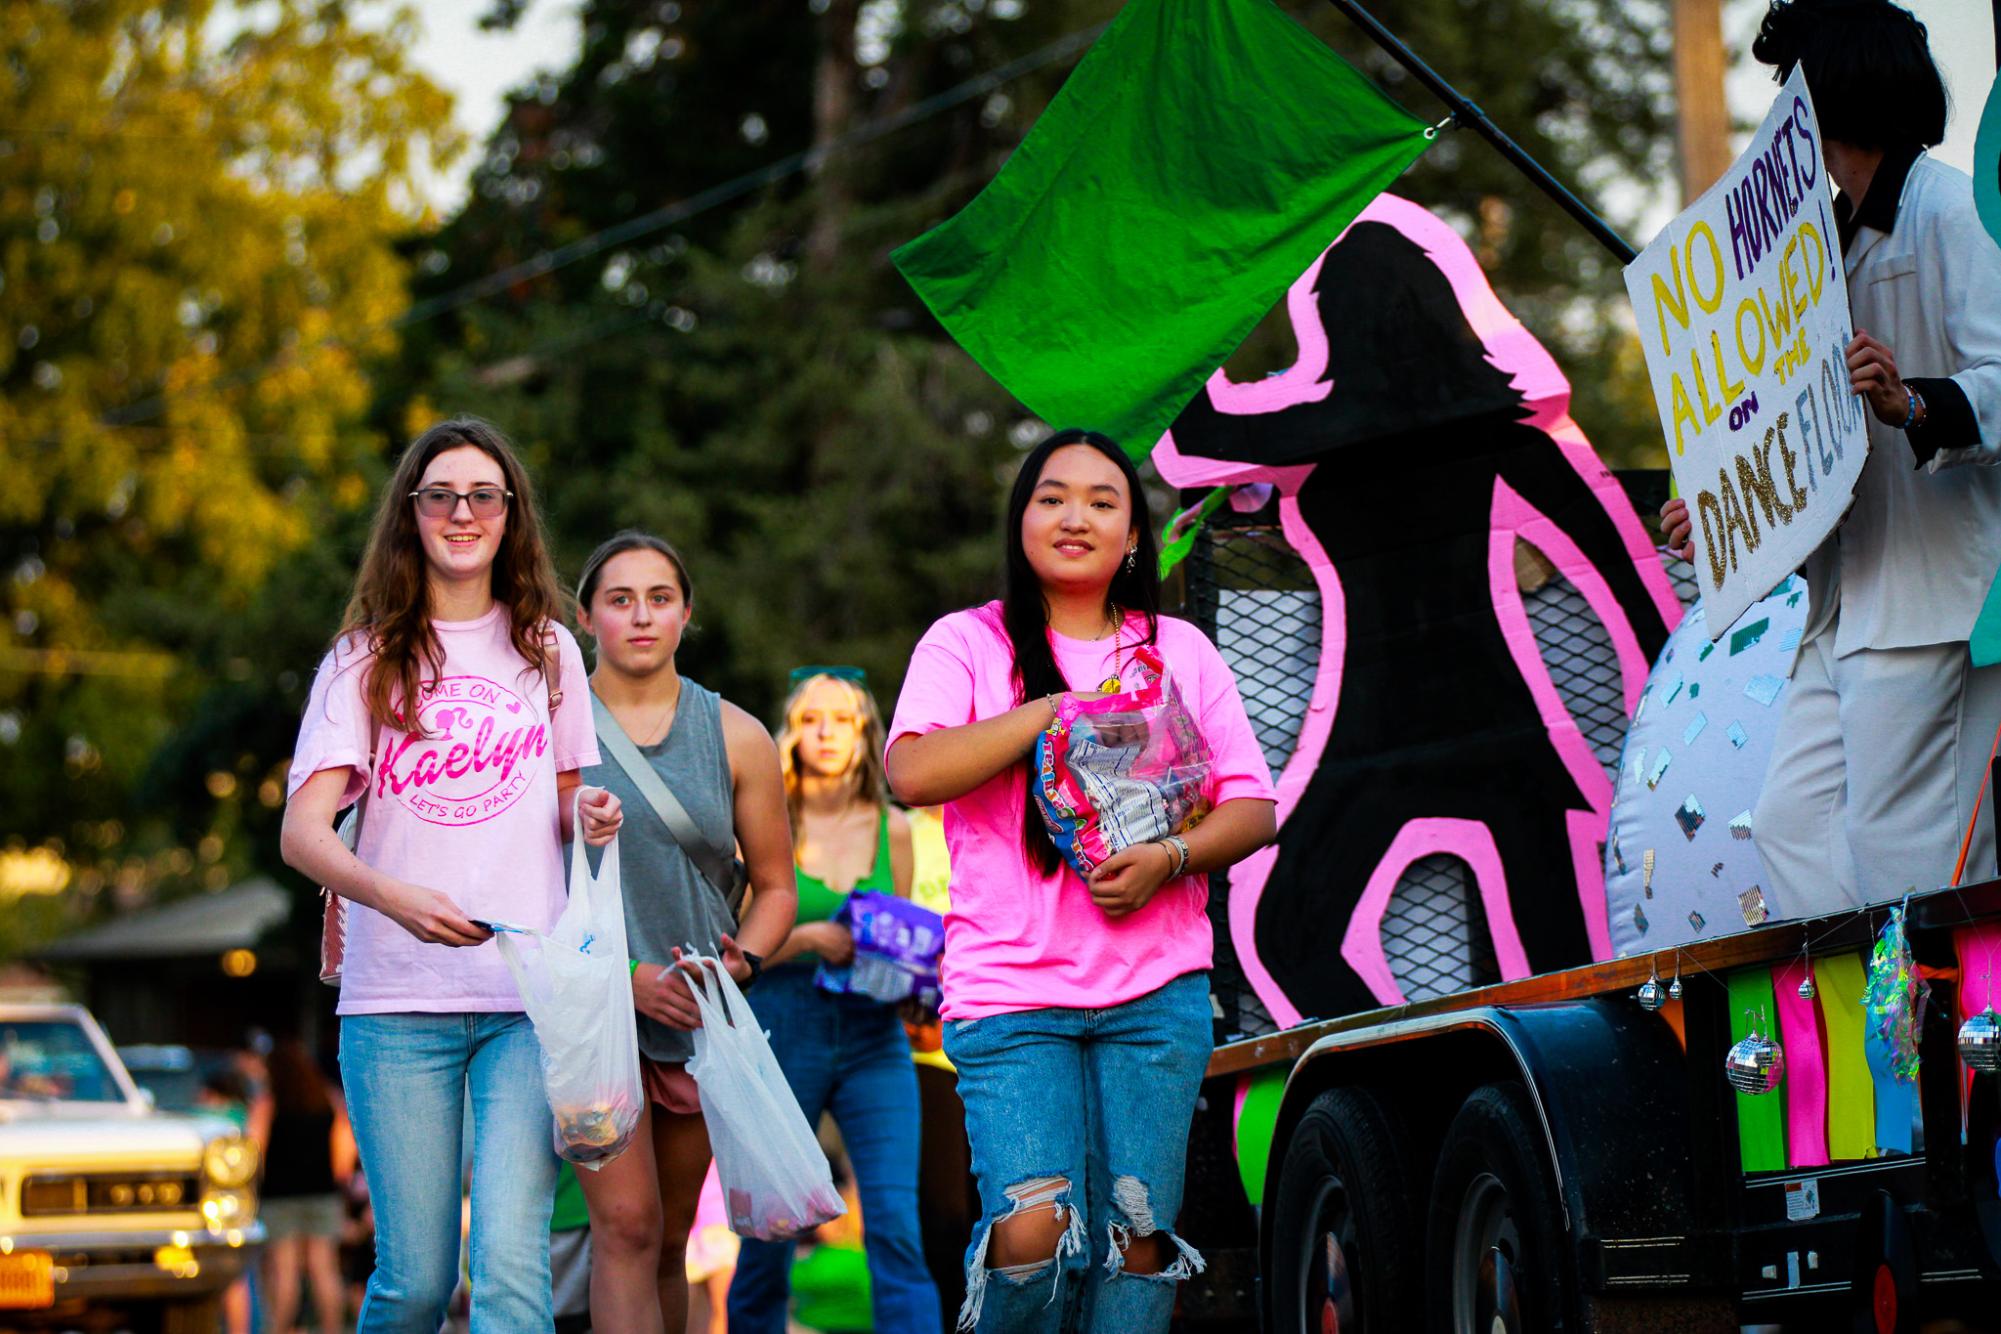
<point>1172,553</point>
<point>1761,1117</point>
<point>1257,1122</point>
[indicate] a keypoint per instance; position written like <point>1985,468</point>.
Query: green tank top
<point>819,903</point>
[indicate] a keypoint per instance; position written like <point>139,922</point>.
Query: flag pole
<point>1473,118</point>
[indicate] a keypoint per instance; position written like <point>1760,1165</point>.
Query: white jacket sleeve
<point>1972,320</point>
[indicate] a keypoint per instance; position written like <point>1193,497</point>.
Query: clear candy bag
<point>1115,770</point>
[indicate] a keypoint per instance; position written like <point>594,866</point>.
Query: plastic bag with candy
<point>775,1177</point>
<point>1115,770</point>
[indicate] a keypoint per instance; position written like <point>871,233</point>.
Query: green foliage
<point>758,385</point>
<point>188,478</point>
<point>197,263</point>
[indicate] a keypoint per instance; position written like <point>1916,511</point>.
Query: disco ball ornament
<point>1755,1065</point>
<point>1674,988</point>
<point>1651,995</point>
<point>1807,991</point>
<point>1980,1042</point>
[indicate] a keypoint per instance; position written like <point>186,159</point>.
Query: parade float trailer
<point>1514,1033</point>
<point>1483,1143</point>
<point>1549,1154</point>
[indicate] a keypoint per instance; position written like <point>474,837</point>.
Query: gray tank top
<point>669,902</point>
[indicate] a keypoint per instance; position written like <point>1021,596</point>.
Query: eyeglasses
<point>851,674</point>
<point>441,502</point>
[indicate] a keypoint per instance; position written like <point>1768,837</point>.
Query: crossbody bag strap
<point>709,860</point>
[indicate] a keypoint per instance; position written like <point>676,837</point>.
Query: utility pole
<point>1702,121</point>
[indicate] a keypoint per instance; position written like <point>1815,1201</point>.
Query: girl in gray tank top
<point>722,768</point>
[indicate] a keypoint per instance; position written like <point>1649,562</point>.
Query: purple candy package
<point>897,945</point>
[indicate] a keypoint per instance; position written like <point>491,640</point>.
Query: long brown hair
<point>390,612</point>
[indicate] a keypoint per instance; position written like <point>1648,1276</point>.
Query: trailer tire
<point>1494,1242</point>
<point>1344,1239</point>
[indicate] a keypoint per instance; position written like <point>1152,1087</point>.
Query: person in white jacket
<point>1887,726</point>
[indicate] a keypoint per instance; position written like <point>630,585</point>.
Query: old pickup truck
<point>106,1202</point>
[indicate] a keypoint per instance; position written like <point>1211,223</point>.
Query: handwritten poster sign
<point>1743,312</point>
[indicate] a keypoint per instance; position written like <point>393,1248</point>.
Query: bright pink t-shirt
<point>469,808</point>
<point>1016,939</point>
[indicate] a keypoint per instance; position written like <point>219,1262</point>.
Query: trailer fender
<point>1609,1086</point>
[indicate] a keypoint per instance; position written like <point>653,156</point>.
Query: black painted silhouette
<point>1434,717</point>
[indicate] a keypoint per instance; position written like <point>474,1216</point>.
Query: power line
<point>658,219</point>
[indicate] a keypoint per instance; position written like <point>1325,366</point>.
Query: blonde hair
<point>871,784</point>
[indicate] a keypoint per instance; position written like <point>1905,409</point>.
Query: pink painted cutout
<point>1362,945</point>
<point>1546,393</point>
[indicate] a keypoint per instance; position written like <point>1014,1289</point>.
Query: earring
<point>1132,559</point>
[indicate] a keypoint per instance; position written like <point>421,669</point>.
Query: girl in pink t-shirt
<point>1076,1011</point>
<point>441,701</point>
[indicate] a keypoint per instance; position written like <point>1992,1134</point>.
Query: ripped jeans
<point>1064,1106</point>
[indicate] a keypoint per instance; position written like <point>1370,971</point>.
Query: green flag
<point>1196,161</point>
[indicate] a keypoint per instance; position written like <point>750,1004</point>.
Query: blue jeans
<point>847,1055</point>
<point>408,1077</point>
<point>1055,1097</point>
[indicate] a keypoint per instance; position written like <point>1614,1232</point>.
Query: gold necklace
<point>1112,684</point>
<point>660,724</point>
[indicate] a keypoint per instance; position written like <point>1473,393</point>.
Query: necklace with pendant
<point>1112,684</point>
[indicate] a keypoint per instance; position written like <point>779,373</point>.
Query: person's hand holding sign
<point>1872,372</point>
<point>1675,524</point>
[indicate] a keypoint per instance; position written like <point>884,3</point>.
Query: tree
<point>756,381</point>
<point>197,266</point>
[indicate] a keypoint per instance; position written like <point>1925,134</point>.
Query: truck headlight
<point>230,1162</point>
<point>224,1209</point>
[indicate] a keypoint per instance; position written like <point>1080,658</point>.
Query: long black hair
<point>1868,65</point>
<point>1025,611</point>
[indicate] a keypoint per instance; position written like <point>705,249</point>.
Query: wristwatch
<point>756,962</point>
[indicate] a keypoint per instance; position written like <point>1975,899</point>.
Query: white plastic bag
<point>775,1178</point>
<point>576,983</point>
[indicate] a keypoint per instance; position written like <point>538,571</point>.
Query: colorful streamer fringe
<point>1891,1001</point>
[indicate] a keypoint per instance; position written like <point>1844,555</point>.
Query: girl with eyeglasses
<point>1077,1012</point>
<point>845,1054</point>
<point>718,763</point>
<point>440,708</point>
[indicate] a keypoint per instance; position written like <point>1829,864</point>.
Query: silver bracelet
<point>1179,847</point>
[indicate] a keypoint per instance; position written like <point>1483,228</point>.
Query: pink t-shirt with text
<point>468,808</point>
<point>1016,939</point>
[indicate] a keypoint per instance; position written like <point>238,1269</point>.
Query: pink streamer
<point>1979,954</point>
<point>1806,1068</point>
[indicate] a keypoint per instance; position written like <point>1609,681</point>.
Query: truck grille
<point>109,1193</point>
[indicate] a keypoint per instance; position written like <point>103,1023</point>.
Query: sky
<point>1962,42</point>
<point>479,68</point>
